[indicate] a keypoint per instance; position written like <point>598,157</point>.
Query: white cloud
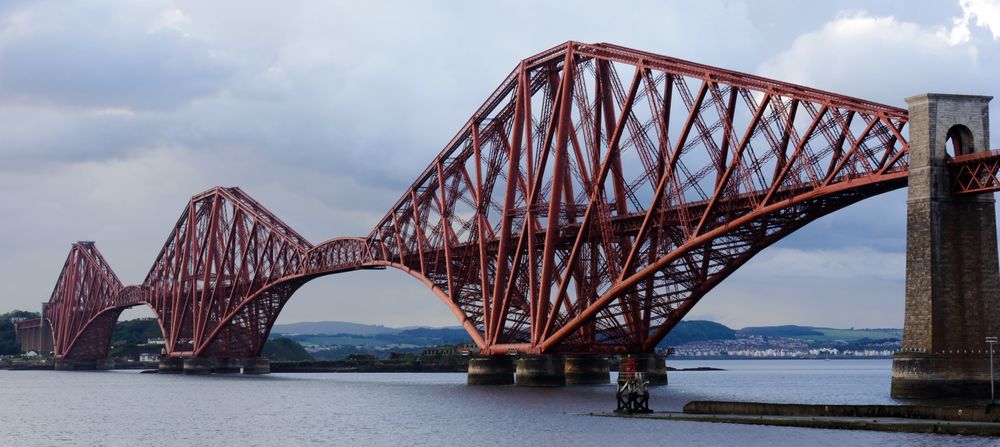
<point>986,12</point>
<point>111,111</point>
<point>884,59</point>
<point>172,19</point>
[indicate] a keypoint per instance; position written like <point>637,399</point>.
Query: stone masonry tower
<point>952,279</point>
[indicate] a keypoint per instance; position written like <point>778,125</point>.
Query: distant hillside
<point>129,334</point>
<point>335,340</point>
<point>780,331</point>
<point>697,330</point>
<point>345,333</point>
<point>285,349</point>
<point>823,334</point>
<point>430,336</point>
<point>332,327</point>
<point>409,338</point>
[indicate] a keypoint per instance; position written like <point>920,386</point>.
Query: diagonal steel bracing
<point>591,201</point>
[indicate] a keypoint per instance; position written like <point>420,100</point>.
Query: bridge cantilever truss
<point>595,197</point>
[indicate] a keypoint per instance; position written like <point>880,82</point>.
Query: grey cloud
<point>38,136</point>
<point>73,57</point>
<point>882,58</point>
<point>878,222</point>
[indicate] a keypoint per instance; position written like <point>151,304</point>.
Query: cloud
<point>855,263</point>
<point>105,55</point>
<point>884,59</point>
<point>986,12</point>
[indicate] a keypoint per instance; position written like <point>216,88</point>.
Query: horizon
<point>853,328</point>
<point>382,325</point>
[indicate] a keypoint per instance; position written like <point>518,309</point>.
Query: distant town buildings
<point>153,342</point>
<point>784,347</point>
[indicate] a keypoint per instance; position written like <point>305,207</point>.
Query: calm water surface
<point>122,408</point>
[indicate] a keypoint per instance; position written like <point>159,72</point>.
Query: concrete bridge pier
<point>652,365</point>
<point>171,365</point>
<point>83,365</point>
<point>74,365</point>
<point>227,366</point>
<point>491,370</point>
<point>587,370</point>
<point>104,364</point>
<point>952,279</point>
<point>540,371</point>
<point>210,365</point>
<point>256,365</point>
<point>199,366</point>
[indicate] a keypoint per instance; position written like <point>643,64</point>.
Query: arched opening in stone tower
<point>959,140</point>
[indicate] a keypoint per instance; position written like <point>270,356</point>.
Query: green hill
<point>697,330</point>
<point>8,339</point>
<point>285,349</point>
<point>129,334</point>
<point>852,335</point>
<point>823,334</point>
<point>133,332</point>
<point>788,330</point>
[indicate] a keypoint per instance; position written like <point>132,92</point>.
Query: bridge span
<point>590,202</point>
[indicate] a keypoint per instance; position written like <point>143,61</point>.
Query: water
<point>120,408</point>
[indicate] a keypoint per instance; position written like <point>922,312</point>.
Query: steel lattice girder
<point>600,192</point>
<point>976,172</point>
<point>586,206</point>
<point>84,300</point>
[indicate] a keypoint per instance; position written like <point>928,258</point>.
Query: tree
<point>285,349</point>
<point>8,335</point>
<point>129,334</point>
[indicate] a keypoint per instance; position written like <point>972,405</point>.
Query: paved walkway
<point>843,423</point>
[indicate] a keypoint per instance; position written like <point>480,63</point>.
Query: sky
<point>113,114</point>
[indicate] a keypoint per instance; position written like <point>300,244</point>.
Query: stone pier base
<point>491,370</point>
<point>199,365</point>
<point>104,364</point>
<point>653,367</point>
<point>587,370</point>
<point>75,365</point>
<point>918,375</point>
<point>256,365</point>
<point>171,365</point>
<point>540,371</point>
<point>227,366</point>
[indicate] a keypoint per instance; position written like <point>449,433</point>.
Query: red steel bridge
<point>591,201</point>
